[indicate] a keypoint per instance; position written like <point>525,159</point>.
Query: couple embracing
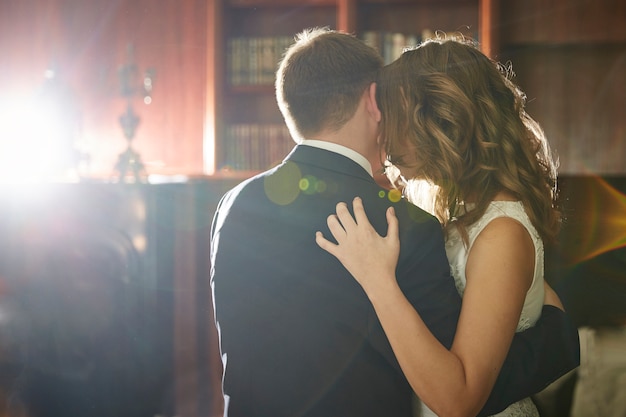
<point>336,296</point>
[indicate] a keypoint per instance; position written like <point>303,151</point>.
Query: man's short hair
<point>321,79</point>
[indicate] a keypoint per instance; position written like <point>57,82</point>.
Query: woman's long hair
<point>453,118</point>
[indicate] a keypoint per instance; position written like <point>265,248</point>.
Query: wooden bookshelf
<point>243,98</point>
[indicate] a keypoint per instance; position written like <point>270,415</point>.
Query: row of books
<point>391,44</point>
<point>254,60</point>
<point>255,147</point>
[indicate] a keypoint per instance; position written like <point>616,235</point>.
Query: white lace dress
<point>457,256</point>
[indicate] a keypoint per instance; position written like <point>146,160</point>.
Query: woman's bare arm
<point>499,273</point>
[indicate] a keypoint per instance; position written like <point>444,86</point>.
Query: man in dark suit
<point>299,336</point>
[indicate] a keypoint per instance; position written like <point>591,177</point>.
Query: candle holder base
<point>129,167</point>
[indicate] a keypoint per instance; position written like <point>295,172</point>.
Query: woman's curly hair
<point>452,117</point>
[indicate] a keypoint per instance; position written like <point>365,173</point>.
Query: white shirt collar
<point>342,150</point>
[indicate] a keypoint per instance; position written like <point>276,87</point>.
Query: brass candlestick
<point>129,166</point>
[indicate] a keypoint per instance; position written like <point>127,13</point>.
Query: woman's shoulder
<point>513,210</point>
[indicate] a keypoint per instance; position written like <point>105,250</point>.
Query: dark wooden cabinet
<point>105,299</point>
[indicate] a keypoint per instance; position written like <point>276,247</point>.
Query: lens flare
<point>284,187</point>
<point>395,195</point>
<point>598,222</point>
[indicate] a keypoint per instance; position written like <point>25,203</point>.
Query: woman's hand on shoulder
<point>369,257</point>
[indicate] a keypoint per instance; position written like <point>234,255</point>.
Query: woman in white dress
<point>453,119</point>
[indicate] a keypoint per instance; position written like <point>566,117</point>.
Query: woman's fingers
<point>342,224</point>
<point>363,221</point>
<point>325,244</point>
<point>358,246</point>
<point>345,217</point>
<point>336,227</point>
<point>392,227</point>
<point>359,212</point>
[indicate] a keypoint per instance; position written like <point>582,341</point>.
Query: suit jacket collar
<point>327,160</point>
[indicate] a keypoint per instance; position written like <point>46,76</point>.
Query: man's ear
<point>372,106</point>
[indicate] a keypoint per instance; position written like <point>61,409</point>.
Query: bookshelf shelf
<point>246,44</point>
<point>252,89</point>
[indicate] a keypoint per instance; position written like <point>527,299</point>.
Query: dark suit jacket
<point>299,334</point>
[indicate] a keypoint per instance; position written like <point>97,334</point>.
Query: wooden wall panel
<point>87,42</point>
<point>432,16</point>
<point>570,57</point>
<point>577,95</point>
<point>563,21</point>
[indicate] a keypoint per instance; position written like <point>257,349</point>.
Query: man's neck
<point>354,137</point>
<point>342,150</point>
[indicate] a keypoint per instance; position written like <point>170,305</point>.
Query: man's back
<point>300,336</point>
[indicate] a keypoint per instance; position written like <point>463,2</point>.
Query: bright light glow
<point>601,223</point>
<point>35,140</point>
